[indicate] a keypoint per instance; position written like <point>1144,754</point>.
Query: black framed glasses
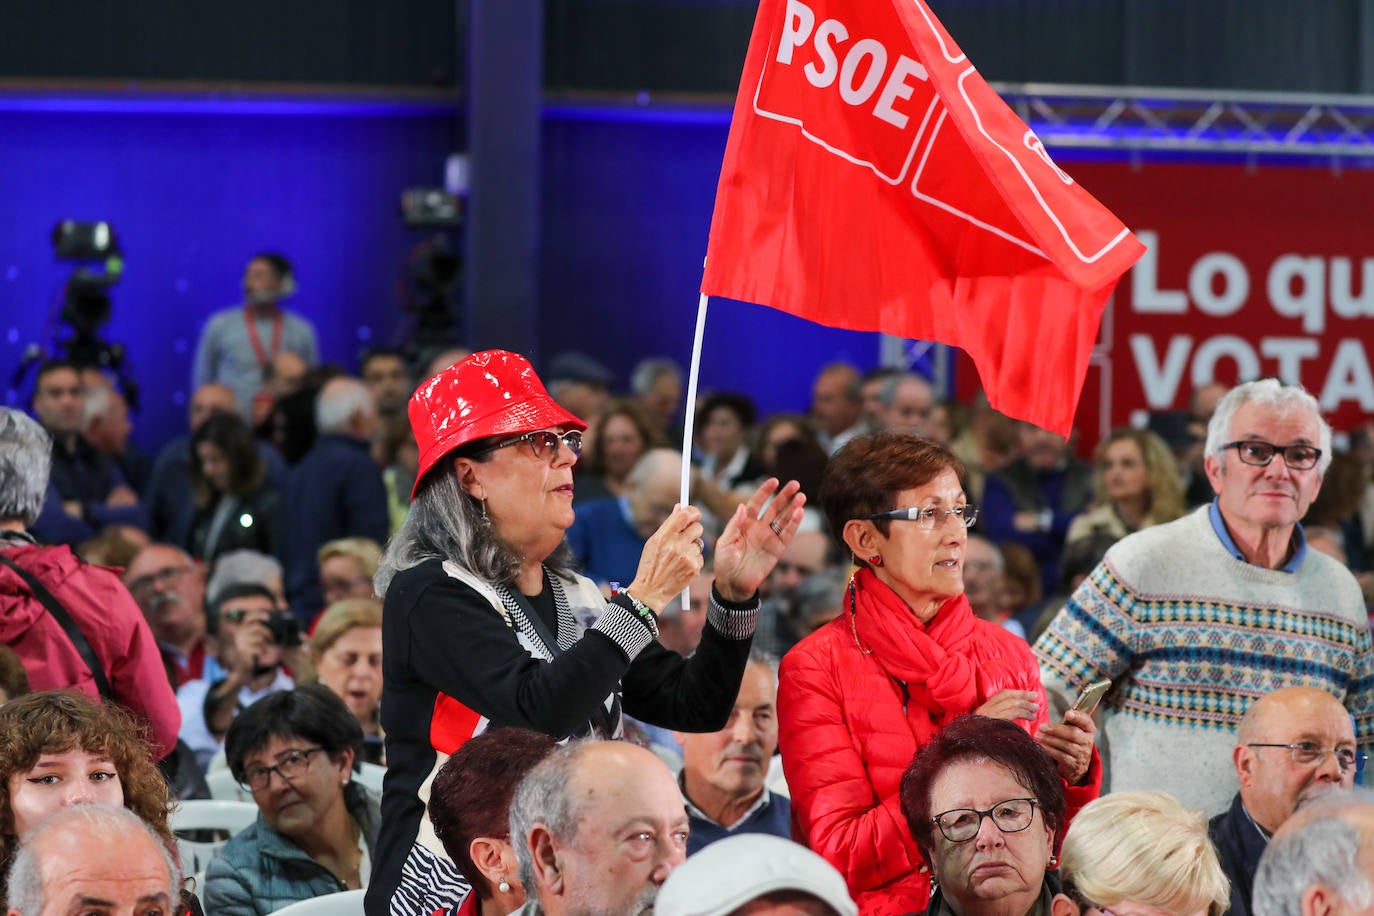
<point>289,765</point>
<point>1311,754</point>
<point>1259,453</point>
<point>929,517</point>
<point>959,825</point>
<point>544,443</point>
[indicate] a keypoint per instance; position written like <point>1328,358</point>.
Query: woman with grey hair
<point>486,624</point>
<point>104,647</point>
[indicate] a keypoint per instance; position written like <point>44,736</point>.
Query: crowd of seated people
<point>935,569</point>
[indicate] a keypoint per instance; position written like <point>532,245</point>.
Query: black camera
<point>285,629</point>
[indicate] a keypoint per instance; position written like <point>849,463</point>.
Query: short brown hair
<point>865,476</point>
<point>55,721</point>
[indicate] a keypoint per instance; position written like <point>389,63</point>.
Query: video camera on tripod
<point>86,305</point>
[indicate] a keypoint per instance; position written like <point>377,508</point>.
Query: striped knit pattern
<point>1191,636</point>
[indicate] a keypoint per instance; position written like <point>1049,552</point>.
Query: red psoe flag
<point>873,181</point>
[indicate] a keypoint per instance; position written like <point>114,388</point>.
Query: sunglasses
<point>544,443</point>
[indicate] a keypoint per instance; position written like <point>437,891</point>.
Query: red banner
<point>1251,272</point>
<point>873,181</point>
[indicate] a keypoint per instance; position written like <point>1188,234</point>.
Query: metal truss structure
<point>1255,124</point>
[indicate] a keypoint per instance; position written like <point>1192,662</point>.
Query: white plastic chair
<point>370,777</point>
<point>223,787</point>
<point>344,903</point>
<point>223,818</point>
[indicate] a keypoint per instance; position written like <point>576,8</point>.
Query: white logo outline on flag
<point>855,160</point>
<point>1016,163</point>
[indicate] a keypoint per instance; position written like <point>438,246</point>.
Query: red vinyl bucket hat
<point>492,393</point>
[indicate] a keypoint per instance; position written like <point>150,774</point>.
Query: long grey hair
<point>446,523</point>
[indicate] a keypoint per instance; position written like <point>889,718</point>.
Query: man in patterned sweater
<point>1196,619</point>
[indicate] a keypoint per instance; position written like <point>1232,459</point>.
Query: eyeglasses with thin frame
<point>1311,754</point>
<point>290,764</point>
<point>929,517</point>
<point>959,825</point>
<point>1259,453</point>
<point>544,443</point>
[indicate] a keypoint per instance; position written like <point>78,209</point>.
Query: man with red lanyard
<point>239,344</point>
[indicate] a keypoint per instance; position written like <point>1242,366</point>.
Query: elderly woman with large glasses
<point>316,830</point>
<point>486,623</point>
<point>858,697</point>
<point>985,804</point>
<point>1140,854</point>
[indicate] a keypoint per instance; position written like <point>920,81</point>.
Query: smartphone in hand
<point>1092,695</point>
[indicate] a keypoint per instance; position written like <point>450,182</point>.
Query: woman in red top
<point>859,697</point>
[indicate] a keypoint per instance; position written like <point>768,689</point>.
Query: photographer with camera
<point>252,638</point>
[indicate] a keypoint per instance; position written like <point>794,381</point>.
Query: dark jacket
<point>169,485</point>
<point>260,871</point>
<point>252,522</point>
<point>335,492</point>
<point>1239,844</point>
<point>83,475</point>
<point>111,622</point>
<point>1063,492</point>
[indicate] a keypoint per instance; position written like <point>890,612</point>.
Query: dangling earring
<point>934,884</point>
<point>486,521</point>
<point>1054,861</point>
<point>504,886</point>
<point>875,560</point>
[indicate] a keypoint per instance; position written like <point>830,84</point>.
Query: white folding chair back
<point>345,903</point>
<point>223,787</point>
<point>370,776</point>
<point>219,819</point>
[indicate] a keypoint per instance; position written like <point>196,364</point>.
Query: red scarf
<point>932,655</point>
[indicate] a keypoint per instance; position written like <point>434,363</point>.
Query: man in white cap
<point>755,875</point>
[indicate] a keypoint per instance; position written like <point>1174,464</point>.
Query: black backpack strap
<point>59,613</point>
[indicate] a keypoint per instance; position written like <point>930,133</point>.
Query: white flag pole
<point>689,416</point>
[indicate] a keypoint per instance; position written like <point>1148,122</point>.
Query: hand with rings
<point>755,538</point>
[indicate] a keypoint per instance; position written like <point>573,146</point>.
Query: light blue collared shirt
<point>1219,526</point>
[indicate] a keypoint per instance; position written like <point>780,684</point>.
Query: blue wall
<point>193,187</point>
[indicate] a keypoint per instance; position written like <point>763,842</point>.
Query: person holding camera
<point>253,637</point>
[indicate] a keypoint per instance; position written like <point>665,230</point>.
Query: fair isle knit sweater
<point>1191,636</point>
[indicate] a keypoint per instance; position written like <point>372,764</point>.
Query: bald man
<point>1292,745</point>
<point>597,828</point>
<point>93,859</point>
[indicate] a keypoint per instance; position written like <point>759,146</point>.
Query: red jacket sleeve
<point>137,676</point>
<point>833,802</point>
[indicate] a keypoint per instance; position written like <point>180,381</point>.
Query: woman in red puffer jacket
<point>860,696</point>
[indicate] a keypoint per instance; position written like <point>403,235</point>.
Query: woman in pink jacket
<point>860,696</point>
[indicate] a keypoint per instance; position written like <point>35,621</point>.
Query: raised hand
<point>755,538</point>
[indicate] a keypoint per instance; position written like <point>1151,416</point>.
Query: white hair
<point>113,821</point>
<point>339,400</point>
<point>1324,850</point>
<point>648,371</point>
<point>25,463</point>
<point>654,462</point>
<point>97,404</point>
<point>240,567</point>
<point>1272,393</point>
<point>544,797</point>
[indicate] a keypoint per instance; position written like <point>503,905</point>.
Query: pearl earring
<point>504,886</point>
